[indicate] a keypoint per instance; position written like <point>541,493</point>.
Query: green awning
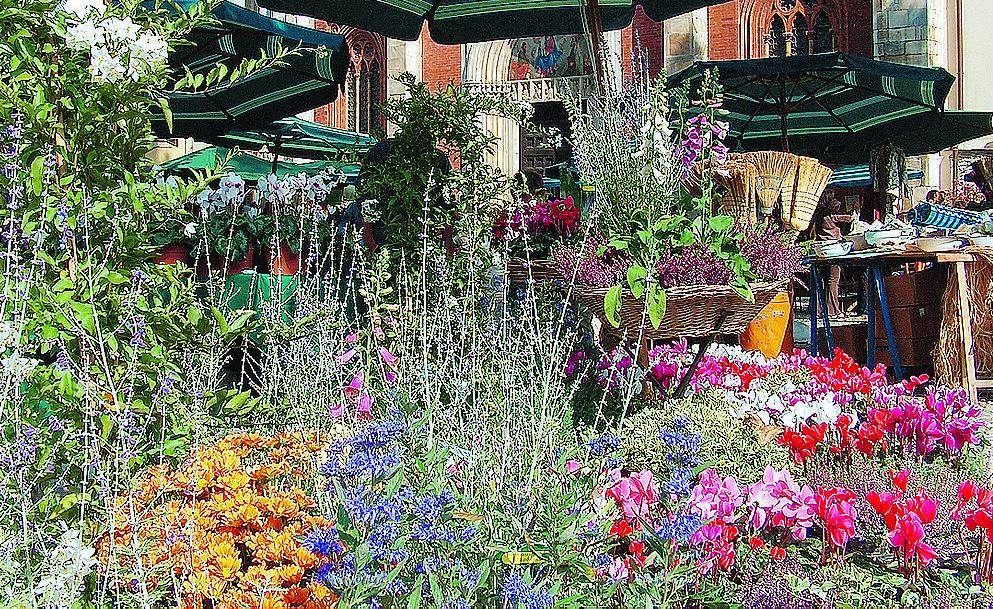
<point>820,105</point>
<point>464,21</point>
<point>310,77</point>
<point>249,167</point>
<point>299,138</point>
<point>855,176</point>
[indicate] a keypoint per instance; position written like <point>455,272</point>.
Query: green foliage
<point>730,445</point>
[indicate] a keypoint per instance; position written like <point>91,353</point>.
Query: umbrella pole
<point>275,155</point>
<point>595,20</point>
<point>783,116</point>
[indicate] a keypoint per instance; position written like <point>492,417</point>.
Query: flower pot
<point>284,261</point>
<point>218,265</point>
<point>767,332</point>
<point>236,267</point>
<point>171,254</point>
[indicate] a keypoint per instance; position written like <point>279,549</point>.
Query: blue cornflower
<point>680,528</point>
<point>517,592</point>
<point>680,483</point>
<point>324,542</point>
<point>604,445</point>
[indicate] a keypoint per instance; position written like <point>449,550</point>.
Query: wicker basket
<point>691,311</point>
<point>524,271</point>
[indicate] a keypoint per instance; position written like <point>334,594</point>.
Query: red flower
<point>836,509</point>
<point>756,543</point>
<point>621,528</point>
<point>899,479</point>
<point>777,553</point>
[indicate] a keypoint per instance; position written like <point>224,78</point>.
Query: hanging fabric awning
<point>855,176</point>
<point>249,167</point>
<point>311,76</point>
<point>296,137</point>
<point>464,21</point>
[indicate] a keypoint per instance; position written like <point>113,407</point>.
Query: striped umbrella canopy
<point>820,105</point>
<point>310,77</point>
<point>250,168</point>
<point>464,21</point>
<point>299,138</point>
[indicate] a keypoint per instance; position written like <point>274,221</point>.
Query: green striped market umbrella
<point>296,137</point>
<point>825,106</point>
<point>310,77</point>
<point>463,21</point>
<point>250,168</point>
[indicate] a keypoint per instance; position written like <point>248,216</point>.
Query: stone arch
<point>357,108</point>
<point>757,15</point>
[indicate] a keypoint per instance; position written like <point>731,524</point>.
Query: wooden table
<point>875,262</point>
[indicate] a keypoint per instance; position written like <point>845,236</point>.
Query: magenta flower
<point>714,498</point>
<point>388,358</point>
<point>354,388</point>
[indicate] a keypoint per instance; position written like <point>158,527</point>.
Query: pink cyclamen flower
<point>635,494</point>
<point>714,498</point>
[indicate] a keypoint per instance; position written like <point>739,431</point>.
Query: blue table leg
<point>815,342</point>
<point>885,310</point>
<point>870,311</point>
<point>822,302</point>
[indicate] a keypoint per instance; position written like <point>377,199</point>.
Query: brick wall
<point>724,35</point>
<point>906,33</point>
<point>646,35</point>
<point>441,64</point>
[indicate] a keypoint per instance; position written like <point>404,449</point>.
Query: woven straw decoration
<point>739,200</point>
<point>772,169</point>
<point>808,184</point>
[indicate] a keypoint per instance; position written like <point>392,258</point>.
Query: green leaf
<point>166,112</point>
<point>612,305</point>
<point>719,224</point>
<point>37,173</point>
<point>414,602</point>
<point>656,304</point>
<point>636,279</point>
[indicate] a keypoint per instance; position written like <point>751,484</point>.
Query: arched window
<point>358,107</point>
<point>366,83</point>
<point>799,27</point>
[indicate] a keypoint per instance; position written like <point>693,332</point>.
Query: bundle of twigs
<point>739,201</point>
<point>948,352</point>
<point>772,169</point>
<point>802,191</point>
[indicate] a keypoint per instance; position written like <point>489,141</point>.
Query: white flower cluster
<point>68,565</point>
<point>230,194</point>
<point>117,48</point>
<point>308,188</point>
<point>13,365</point>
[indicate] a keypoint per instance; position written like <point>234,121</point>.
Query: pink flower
<point>778,501</point>
<point>635,494</point>
<point>617,571</point>
<point>388,358</point>
<point>714,498</point>
<point>355,387</point>
<point>364,408</point>
<point>836,509</point>
<point>345,357</point>
<point>572,466</point>
<point>352,338</point>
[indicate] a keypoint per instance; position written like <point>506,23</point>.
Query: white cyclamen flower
<point>190,229</point>
<point>81,9</point>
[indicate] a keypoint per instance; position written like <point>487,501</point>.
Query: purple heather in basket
<point>694,264</point>
<point>773,255</point>
<point>583,261</point>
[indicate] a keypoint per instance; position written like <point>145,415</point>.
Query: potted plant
<point>226,236</point>
<point>282,239</point>
<point>532,229</point>
<point>173,241</point>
